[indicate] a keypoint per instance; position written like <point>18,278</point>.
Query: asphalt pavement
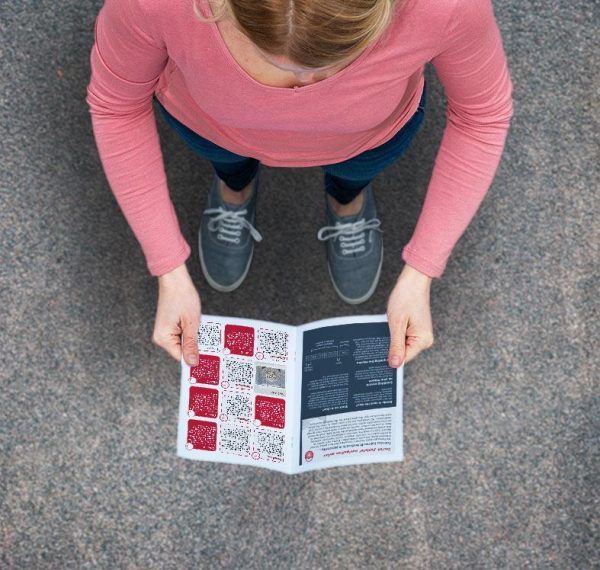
<point>502,414</point>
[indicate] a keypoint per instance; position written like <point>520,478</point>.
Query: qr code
<point>273,344</point>
<point>270,444</point>
<point>202,435</point>
<point>235,439</point>
<point>209,336</point>
<point>239,371</point>
<point>239,340</point>
<point>237,405</point>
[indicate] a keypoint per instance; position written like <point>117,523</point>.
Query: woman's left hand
<point>409,316</point>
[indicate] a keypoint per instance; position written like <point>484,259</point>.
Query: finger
<point>397,342</point>
<point>190,344</point>
<point>415,345</point>
<point>169,345</point>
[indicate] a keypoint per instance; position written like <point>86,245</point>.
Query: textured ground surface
<point>502,419</point>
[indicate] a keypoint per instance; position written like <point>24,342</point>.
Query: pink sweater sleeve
<point>126,61</point>
<point>472,68</point>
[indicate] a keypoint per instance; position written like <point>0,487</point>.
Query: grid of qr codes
<point>236,393</point>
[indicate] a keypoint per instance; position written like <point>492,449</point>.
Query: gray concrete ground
<point>502,418</point>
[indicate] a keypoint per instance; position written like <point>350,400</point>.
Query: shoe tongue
<point>233,206</point>
<point>348,219</point>
<point>237,206</point>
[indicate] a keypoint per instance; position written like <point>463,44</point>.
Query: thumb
<point>397,343</point>
<point>189,343</point>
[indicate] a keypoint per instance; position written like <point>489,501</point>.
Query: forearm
<point>472,67</point>
<point>178,275</point>
<point>463,173</point>
<point>126,61</point>
<point>133,165</point>
<point>413,276</point>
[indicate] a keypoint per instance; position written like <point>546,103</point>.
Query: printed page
<point>235,405</point>
<point>350,399</point>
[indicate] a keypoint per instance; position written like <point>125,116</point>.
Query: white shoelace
<point>230,223</point>
<point>351,234</point>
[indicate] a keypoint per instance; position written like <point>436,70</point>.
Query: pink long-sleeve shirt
<point>147,47</point>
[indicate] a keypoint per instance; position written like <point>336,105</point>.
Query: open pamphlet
<point>292,399</point>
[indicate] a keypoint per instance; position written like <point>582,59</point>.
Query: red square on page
<point>207,369</point>
<point>270,411</point>
<point>204,402</point>
<point>202,435</point>
<point>239,340</point>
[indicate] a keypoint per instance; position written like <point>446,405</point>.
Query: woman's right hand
<point>178,312</point>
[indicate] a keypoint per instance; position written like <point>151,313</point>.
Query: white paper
<point>231,410</point>
<point>243,403</point>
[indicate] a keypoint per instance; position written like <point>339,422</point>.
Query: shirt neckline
<point>295,89</point>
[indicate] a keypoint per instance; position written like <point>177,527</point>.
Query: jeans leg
<point>345,180</point>
<point>235,170</point>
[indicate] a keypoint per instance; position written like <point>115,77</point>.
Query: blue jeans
<point>343,180</point>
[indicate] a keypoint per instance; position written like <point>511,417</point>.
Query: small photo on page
<point>270,380</point>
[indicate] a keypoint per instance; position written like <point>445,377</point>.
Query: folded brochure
<point>292,399</point>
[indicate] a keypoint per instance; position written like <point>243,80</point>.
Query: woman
<point>332,83</point>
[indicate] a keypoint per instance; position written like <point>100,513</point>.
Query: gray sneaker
<point>226,238</point>
<point>355,250</point>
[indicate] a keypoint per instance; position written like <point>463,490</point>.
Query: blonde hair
<point>311,33</point>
